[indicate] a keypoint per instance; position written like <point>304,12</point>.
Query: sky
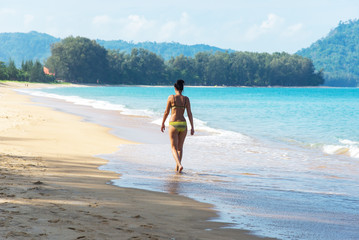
<point>242,25</point>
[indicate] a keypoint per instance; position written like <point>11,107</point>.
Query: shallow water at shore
<point>305,201</point>
<point>275,188</point>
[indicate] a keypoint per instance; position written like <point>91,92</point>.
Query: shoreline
<point>52,187</point>
<point>40,85</point>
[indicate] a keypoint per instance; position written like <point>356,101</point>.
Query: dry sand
<point>51,187</point>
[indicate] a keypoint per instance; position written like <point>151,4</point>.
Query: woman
<point>178,125</point>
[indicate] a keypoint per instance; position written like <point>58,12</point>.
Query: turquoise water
<point>282,162</point>
<point>312,117</point>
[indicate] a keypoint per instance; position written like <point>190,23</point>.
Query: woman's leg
<point>181,138</point>
<point>174,137</point>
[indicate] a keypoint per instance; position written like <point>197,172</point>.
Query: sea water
<point>281,162</point>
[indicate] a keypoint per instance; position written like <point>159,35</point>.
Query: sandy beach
<point>51,187</point>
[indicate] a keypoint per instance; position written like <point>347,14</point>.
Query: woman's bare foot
<point>180,168</point>
<point>176,168</point>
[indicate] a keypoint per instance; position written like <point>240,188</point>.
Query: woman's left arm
<point>189,114</point>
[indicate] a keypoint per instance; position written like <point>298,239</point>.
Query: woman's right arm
<point>165,115</point>
<point>189,114</point>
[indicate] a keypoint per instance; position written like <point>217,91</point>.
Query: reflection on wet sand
<point>173,183</point>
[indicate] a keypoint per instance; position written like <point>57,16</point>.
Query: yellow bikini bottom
<point>179,126</point>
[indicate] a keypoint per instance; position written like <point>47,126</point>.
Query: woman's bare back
<point>178,107</point>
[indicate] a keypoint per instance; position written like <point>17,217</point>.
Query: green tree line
<point>81,60</point>
<point>30,71</point>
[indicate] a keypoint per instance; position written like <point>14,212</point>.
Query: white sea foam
<point>97,104</point>
<point>348,142</point>
<point>347,147</point>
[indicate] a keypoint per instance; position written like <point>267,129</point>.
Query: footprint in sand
<point>60,208</point>
<point>84,212</point>
<point>136,237</point>
<point>104,219</point>
<point>75,229</point>
<point>38,183</point>
<point>150,236</point>
<point>118,212</point>
<point>147,225</point>
<point>54,221</point>
<point>17,234</point>
<point>94,205</point>
<point>44,194</point>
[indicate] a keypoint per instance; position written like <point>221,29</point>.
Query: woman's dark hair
<point>179,85</point>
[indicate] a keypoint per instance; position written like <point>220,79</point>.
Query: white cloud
<point>100,20</point>
<point>50,18</point>
<point>293,30</point>
<point>185,19</point>
<point>28,19</point>
<point>273,23</point>
<point>167,30</point>
<point>147,29</point>
<point>180,30</point>
<point>7,11</point>
<point>185,25</point>
<point>135,24</point>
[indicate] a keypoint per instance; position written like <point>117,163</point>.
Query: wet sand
<point>51,187</point>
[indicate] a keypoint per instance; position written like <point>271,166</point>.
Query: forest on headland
<point>337,54</point>
<point>81,60</point>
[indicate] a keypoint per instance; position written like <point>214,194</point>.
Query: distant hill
<point>36,46</point>
<point>337,54</point>
<point>166,50</point>
<point>25,46</point>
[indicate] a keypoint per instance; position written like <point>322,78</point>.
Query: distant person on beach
<point>177,104</point>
